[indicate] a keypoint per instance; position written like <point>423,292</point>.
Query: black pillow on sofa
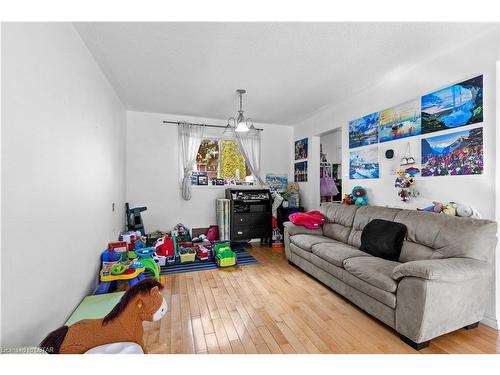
<point>383,239</point>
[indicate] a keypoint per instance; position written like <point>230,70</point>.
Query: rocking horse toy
<point>142,302</point>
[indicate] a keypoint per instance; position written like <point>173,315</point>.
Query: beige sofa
<point>441,282</point>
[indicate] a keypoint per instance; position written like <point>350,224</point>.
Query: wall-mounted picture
<point>301,149</point>
<point>300,174</point>
<point>457,105</point>
<point>453,154</point>
<point>364,163</point>
<point>364,130</point>
<point>277,182</point>
<point>400,122</point>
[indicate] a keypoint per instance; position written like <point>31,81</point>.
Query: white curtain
<point>250,147</point>
<point>190,137</point>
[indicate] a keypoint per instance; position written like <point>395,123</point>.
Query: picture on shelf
<point>364,130</point>
<point>364,163</point>
<point>203,179</point>
<point>301,149</point>
<point>457,105</point>
<point>277,182</point>
<point>300,174</point>
<point>453,154</point>
<point>400,122</point>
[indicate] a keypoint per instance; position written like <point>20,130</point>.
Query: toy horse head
<point>144,298</point>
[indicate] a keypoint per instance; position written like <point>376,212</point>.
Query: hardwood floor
<point>273,307</point>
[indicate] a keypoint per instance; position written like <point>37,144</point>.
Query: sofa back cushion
<point>339,219</point>
<point>363,216</point>
<point>433,235</point>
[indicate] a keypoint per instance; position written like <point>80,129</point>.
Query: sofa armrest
<point>293,229</point>
<point>449,269</point>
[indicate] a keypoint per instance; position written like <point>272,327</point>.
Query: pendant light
<point>241,125</point>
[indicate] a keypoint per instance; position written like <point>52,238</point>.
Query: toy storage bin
<point>226,262</point>
<point>188,257</point>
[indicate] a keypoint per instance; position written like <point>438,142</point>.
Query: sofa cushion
<point>339,219</point>
<point>366,214</point>
<point>373,270</point>
<point>447,236</point>
<point>336,252</point>
<point>306,241</point>
<point>383,238</point>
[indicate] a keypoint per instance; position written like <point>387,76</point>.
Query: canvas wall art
<point>364,130</point>
<point>400,122</point>
<point>300,173</point>
<point>364,163</point>
<point>457,105</point>
<point>277,182</point>
<point>301,149</point>
<point>452,154</point>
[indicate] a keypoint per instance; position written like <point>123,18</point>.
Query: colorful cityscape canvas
<point>458,153</point>
<point>364,163</point>
<point>301,149</point>
<point>364,130</point>
<point>457,105</point>
<point>400,122</point>
<point>300,174</point>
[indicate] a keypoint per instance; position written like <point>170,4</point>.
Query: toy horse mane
<point>140,288</point>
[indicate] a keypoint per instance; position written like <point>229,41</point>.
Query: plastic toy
<point>140,243</point>
<point>187,254</point>
<point>213,233</point>
<point>359,196</point>
<point>145,256</point>
<point>203,252</point>
<point>119,247</point>
<point>347,199</point>
<point>224,256</point>
<point>134,219</point>
<point>141,302</point>
<point>164,246</point>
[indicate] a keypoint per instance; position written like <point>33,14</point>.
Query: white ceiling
<point>290,70</point>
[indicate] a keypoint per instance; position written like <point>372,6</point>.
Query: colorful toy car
<point>203,252</point>
<point>224,256</point>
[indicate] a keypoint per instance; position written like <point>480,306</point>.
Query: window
<point>220,158</point>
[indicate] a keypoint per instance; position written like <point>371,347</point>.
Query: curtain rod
<point>207,125</point>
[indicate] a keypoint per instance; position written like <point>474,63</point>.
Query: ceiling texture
<point>290,70</point>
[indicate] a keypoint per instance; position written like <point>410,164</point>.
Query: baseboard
<point>490,321</point>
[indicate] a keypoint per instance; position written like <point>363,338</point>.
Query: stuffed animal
<point>467,211</point>
<point>348,199</point>
<point>142,302</point>
<point>359,196</point>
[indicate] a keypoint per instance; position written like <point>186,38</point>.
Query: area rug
<point>243,257</point>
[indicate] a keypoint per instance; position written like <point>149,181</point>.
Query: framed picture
<point>301,149</point>
<point>456,105</point>
<point>277,182</point>
<point>300,174</point>
<point>453,154</point>
<point>363,164</point>
<point>399,122</point>
<point>219,181</point>
<point>364,130</point>
<point>202,178</point>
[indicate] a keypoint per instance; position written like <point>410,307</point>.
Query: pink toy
<point>311,220</point>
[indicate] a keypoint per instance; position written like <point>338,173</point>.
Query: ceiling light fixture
<point>240,123</point>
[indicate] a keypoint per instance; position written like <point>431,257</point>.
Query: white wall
<point>153,174</point>
<point>332,146</point>
<point>63,154</point>
<point>404,83</point>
